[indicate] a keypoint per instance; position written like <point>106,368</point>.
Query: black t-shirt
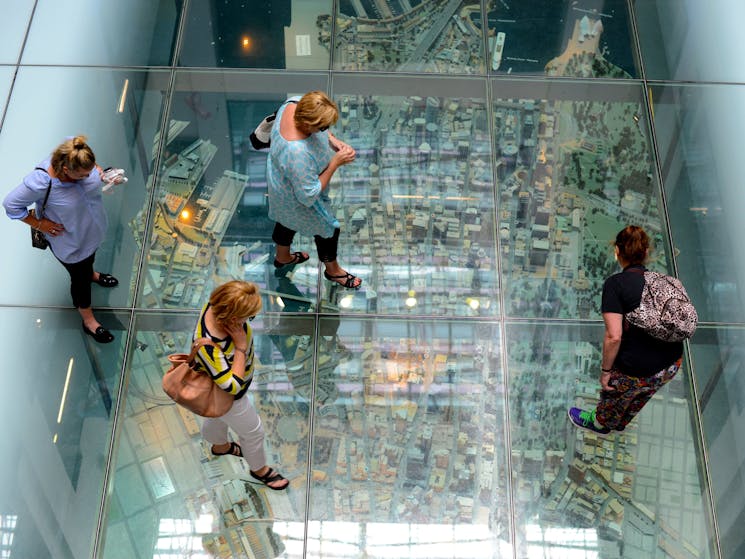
<point>640,354</point>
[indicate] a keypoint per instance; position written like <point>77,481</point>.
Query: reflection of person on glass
<point>302,158</point>
<point>634,365</point>
<point>230,363</point>
<point>73,221</point>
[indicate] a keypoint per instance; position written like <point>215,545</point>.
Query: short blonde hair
<point>315,110</point>
<point>74,154</point>
<point>235,299</point>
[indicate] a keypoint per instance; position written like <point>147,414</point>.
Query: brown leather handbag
<point>194,389</point>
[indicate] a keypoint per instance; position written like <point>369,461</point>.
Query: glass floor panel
<point>121,121</point>
<point>717,354</point>
<point>695,44</point>
<point>400,463</point>
<point>169,491</point>
<point>103,37</point>
<point>636,493</point>
<point>573,167</point>
<point>209,214</point>
<point>697,135</point>
<point>419,197</point>
<point>58,409</point>
<point>281,34</point>
<point>568,38</point>
<point>440,36</point>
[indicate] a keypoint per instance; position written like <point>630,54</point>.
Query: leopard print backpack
<point>665,311</point>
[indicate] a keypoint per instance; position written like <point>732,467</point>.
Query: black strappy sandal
<point>270,476</point>
<point>297,258</point>
<point>347,277</point>
<point>234,450</point>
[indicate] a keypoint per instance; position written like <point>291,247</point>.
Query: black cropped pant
<point>326,247</point>
<point>81,275</point>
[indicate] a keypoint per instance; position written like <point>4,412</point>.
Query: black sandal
<point>346,276</point>
<point>234,450</point>
<point>270,476</point>
<point>101,335</point>
<point>297,258</point>
<point>106,280</point>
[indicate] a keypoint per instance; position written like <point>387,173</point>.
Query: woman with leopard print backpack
<point>646,316</point>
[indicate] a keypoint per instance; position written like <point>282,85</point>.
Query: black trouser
<point>81,275</point>
<point>326,247</point>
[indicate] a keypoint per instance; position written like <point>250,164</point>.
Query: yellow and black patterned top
<point>217,360</point>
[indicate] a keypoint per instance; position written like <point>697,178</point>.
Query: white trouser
<point>245,422</point>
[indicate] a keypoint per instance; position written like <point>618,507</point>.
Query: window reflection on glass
<point>7,534</point>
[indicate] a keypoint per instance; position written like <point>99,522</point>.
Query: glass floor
<point>501,145</point>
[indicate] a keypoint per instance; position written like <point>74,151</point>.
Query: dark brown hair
<point>633,244</point>
<point>74,154</point>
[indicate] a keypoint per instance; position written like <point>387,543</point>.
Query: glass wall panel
<point>636,493</point>
<point>209,220</point>
<point>13,30</point>
<point>103,34</point>
<point>56,407</point>
<point>689,40</point>
<point>408,455</point>
<point>574,166</point>
<point>569,38</point>
<point>417,204</point>
<point>438,36</point>
<point>120,112</point>
<point>257,34</point>
<point>698,129</point>
<point>718,359</point>
<point>170,494</point>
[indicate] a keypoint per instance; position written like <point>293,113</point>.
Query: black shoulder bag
<point>38,239</point>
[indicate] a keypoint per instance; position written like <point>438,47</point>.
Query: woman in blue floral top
<point>303,157</point>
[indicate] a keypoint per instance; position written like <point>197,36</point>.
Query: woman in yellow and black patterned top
<point>230,363</point>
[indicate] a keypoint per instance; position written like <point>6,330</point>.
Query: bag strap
<point>49,189</point>
<point>197,345</point>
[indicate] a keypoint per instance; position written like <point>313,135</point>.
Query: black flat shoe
<point>101,335</point>
<point>106,280</point>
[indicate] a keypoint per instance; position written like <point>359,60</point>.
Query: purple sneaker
<point>585,420</point>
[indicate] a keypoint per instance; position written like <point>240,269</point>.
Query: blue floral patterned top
<point>295,196</point>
